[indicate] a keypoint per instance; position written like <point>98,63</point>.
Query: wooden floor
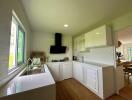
<point>72,90</point>
<point>126,92</point>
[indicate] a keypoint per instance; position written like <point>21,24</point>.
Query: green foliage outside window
<point>20,49</point>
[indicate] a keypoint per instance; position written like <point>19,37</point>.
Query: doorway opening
<point>124,62</point>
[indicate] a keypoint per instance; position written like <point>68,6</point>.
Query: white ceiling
<point>51,15</point>
<point>125,35</point>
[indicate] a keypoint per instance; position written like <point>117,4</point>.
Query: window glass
<point>12,54</point>
<point>20,50</point>
<point>130,54</point>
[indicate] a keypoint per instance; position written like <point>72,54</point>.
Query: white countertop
<point>97,64</point>
<point>27,82</point>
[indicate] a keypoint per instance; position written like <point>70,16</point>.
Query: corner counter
<point>30,87</point>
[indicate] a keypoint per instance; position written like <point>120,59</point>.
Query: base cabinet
<point>54,67</point>
<point>65,70</point>
<point>60,70</point>
<point>78,71</point>
<point>91,78</point>
<point>120,83</point>
<point>97,78</point>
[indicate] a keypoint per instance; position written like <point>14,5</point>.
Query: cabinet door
<point>75,44</point>
<point>55,70</point>
<point>91,77</point>
<point>66,70</point>
<point>89,40</point>
<point>99,36</point>
<point>119,78</point>
<point>78,71</point>
<point>79,43</point>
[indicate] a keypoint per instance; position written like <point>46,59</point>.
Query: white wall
<point>122,22</point>
<point>6,7</point>
<point>43,41</point>
<point>103,55</point>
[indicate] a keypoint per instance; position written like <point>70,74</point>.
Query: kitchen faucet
<point>28,65</point>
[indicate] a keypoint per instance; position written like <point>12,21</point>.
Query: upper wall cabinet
<point>98,37</point>
<point>79,43</point>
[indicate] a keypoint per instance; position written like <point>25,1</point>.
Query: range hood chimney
<point>58,39</point>
<point>58,48</point>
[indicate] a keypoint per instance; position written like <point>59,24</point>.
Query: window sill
<point>12,71</point>
<point>15,69</point>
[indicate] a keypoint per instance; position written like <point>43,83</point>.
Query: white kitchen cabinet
<point>55,70</point>
<point>66,70</point>
<point>91,78</point>
<point>98,37</point>
<point>98,78</point>
<point>78,71</point>
<point>79,43</point>
<point>120,83</point>
<point>89,39</point>
<point>60,70</point>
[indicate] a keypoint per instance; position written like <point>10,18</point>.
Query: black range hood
<point>58,48</point>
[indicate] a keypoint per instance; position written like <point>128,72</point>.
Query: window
<point>17,44</point>
<point>130,54</point>
<point>20,48</point>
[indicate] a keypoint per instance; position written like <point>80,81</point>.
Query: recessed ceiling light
<point>66,25</point>
<point>97,33</point>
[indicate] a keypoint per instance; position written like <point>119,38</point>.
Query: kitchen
<point>92,47</point>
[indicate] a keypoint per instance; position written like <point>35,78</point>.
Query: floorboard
<point>71,89</point>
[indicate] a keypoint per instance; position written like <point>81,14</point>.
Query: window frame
<point>20,27</point>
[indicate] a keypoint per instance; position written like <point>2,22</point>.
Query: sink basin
<point>32,71</point>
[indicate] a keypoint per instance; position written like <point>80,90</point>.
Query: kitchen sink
<point>35,70</point>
